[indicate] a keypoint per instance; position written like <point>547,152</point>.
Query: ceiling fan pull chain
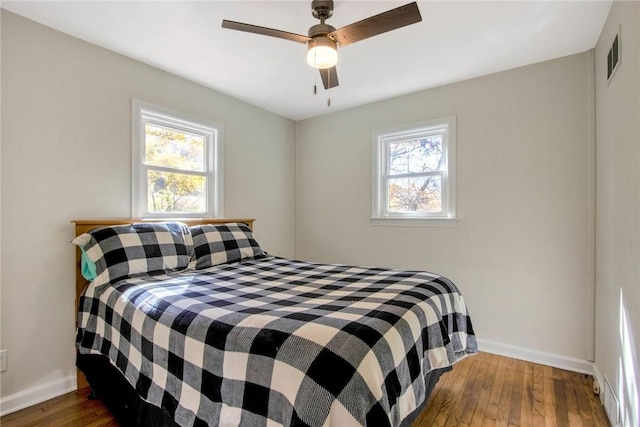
<point>315,84</point>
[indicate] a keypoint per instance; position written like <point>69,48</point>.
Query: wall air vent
<point>613,58</point>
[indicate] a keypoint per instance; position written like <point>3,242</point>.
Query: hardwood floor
<point>72,409</point>
<point>483,390</point>
<point>489,390</point>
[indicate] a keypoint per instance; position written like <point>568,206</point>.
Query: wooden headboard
<point>85,225</point>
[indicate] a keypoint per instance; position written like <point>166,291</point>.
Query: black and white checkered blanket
<point>278,342</point>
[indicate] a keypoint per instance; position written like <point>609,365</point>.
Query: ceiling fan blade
<point>329,77</point>
<point>378,24</point>
<point>248,28</point>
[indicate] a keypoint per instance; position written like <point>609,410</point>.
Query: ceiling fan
<point>323,39</point>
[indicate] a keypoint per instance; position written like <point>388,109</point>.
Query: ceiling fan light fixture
<point>322,39</point>
<point>322,53</point>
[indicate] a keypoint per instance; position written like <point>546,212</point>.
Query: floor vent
<point>611,405</point>
<point>613,58</point>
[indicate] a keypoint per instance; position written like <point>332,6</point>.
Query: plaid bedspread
<point>279,342</point>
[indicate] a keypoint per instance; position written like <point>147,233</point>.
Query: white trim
<point>214,155</point>
<point>379,138</point>
<point>37,394</point>
<point>414,222</point>
<point>590,306</point>
<point>550,359</point>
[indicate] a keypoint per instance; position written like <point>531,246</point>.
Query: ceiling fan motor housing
<point>322,9</point>
<point>320,30</point>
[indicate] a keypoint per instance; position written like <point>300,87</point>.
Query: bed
<point>190,323</point>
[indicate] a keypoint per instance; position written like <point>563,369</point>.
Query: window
<point>414,174</point>
<point>177,164</point>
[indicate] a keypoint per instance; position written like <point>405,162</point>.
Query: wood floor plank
<point>526,408</point>
<point>572,403</point>
<point>549,398</point>
<point>537,416</point>
<point>496,391</point>
<point>483,390</point>
<point>474,387</point>
<point>561,409</point>
<point>487,372</point>
<point>515,406</point>
<point>505,395</point>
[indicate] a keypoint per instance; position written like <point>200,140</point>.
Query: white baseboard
<point>555,360</point>
<point>38,394</point>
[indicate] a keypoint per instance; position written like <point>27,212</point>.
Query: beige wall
<point>618,211</point>
<point>66,154</point>
<point>520,251</point>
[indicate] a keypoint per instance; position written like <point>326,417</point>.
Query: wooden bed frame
<point>83,226</point>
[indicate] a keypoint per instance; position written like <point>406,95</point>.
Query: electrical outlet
<point>3,360</point>
<point>596,387</point>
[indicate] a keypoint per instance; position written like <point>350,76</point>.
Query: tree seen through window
<point>175,170</point>
<point>415,175</point>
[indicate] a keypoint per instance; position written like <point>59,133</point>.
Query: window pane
<point>422,194</point>
<point>174,149</point>
<point>415,155</point>
<point>175,192</point>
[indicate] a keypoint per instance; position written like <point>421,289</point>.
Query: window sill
<point>413,222</point>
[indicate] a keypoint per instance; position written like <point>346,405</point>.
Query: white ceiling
<point>455,41</point>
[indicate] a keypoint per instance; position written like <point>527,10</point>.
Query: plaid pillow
<point>221,244</point>
<point>121,251</point>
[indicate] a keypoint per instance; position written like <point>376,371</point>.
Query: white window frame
<point>213,133</point>
<point>381,138</point>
